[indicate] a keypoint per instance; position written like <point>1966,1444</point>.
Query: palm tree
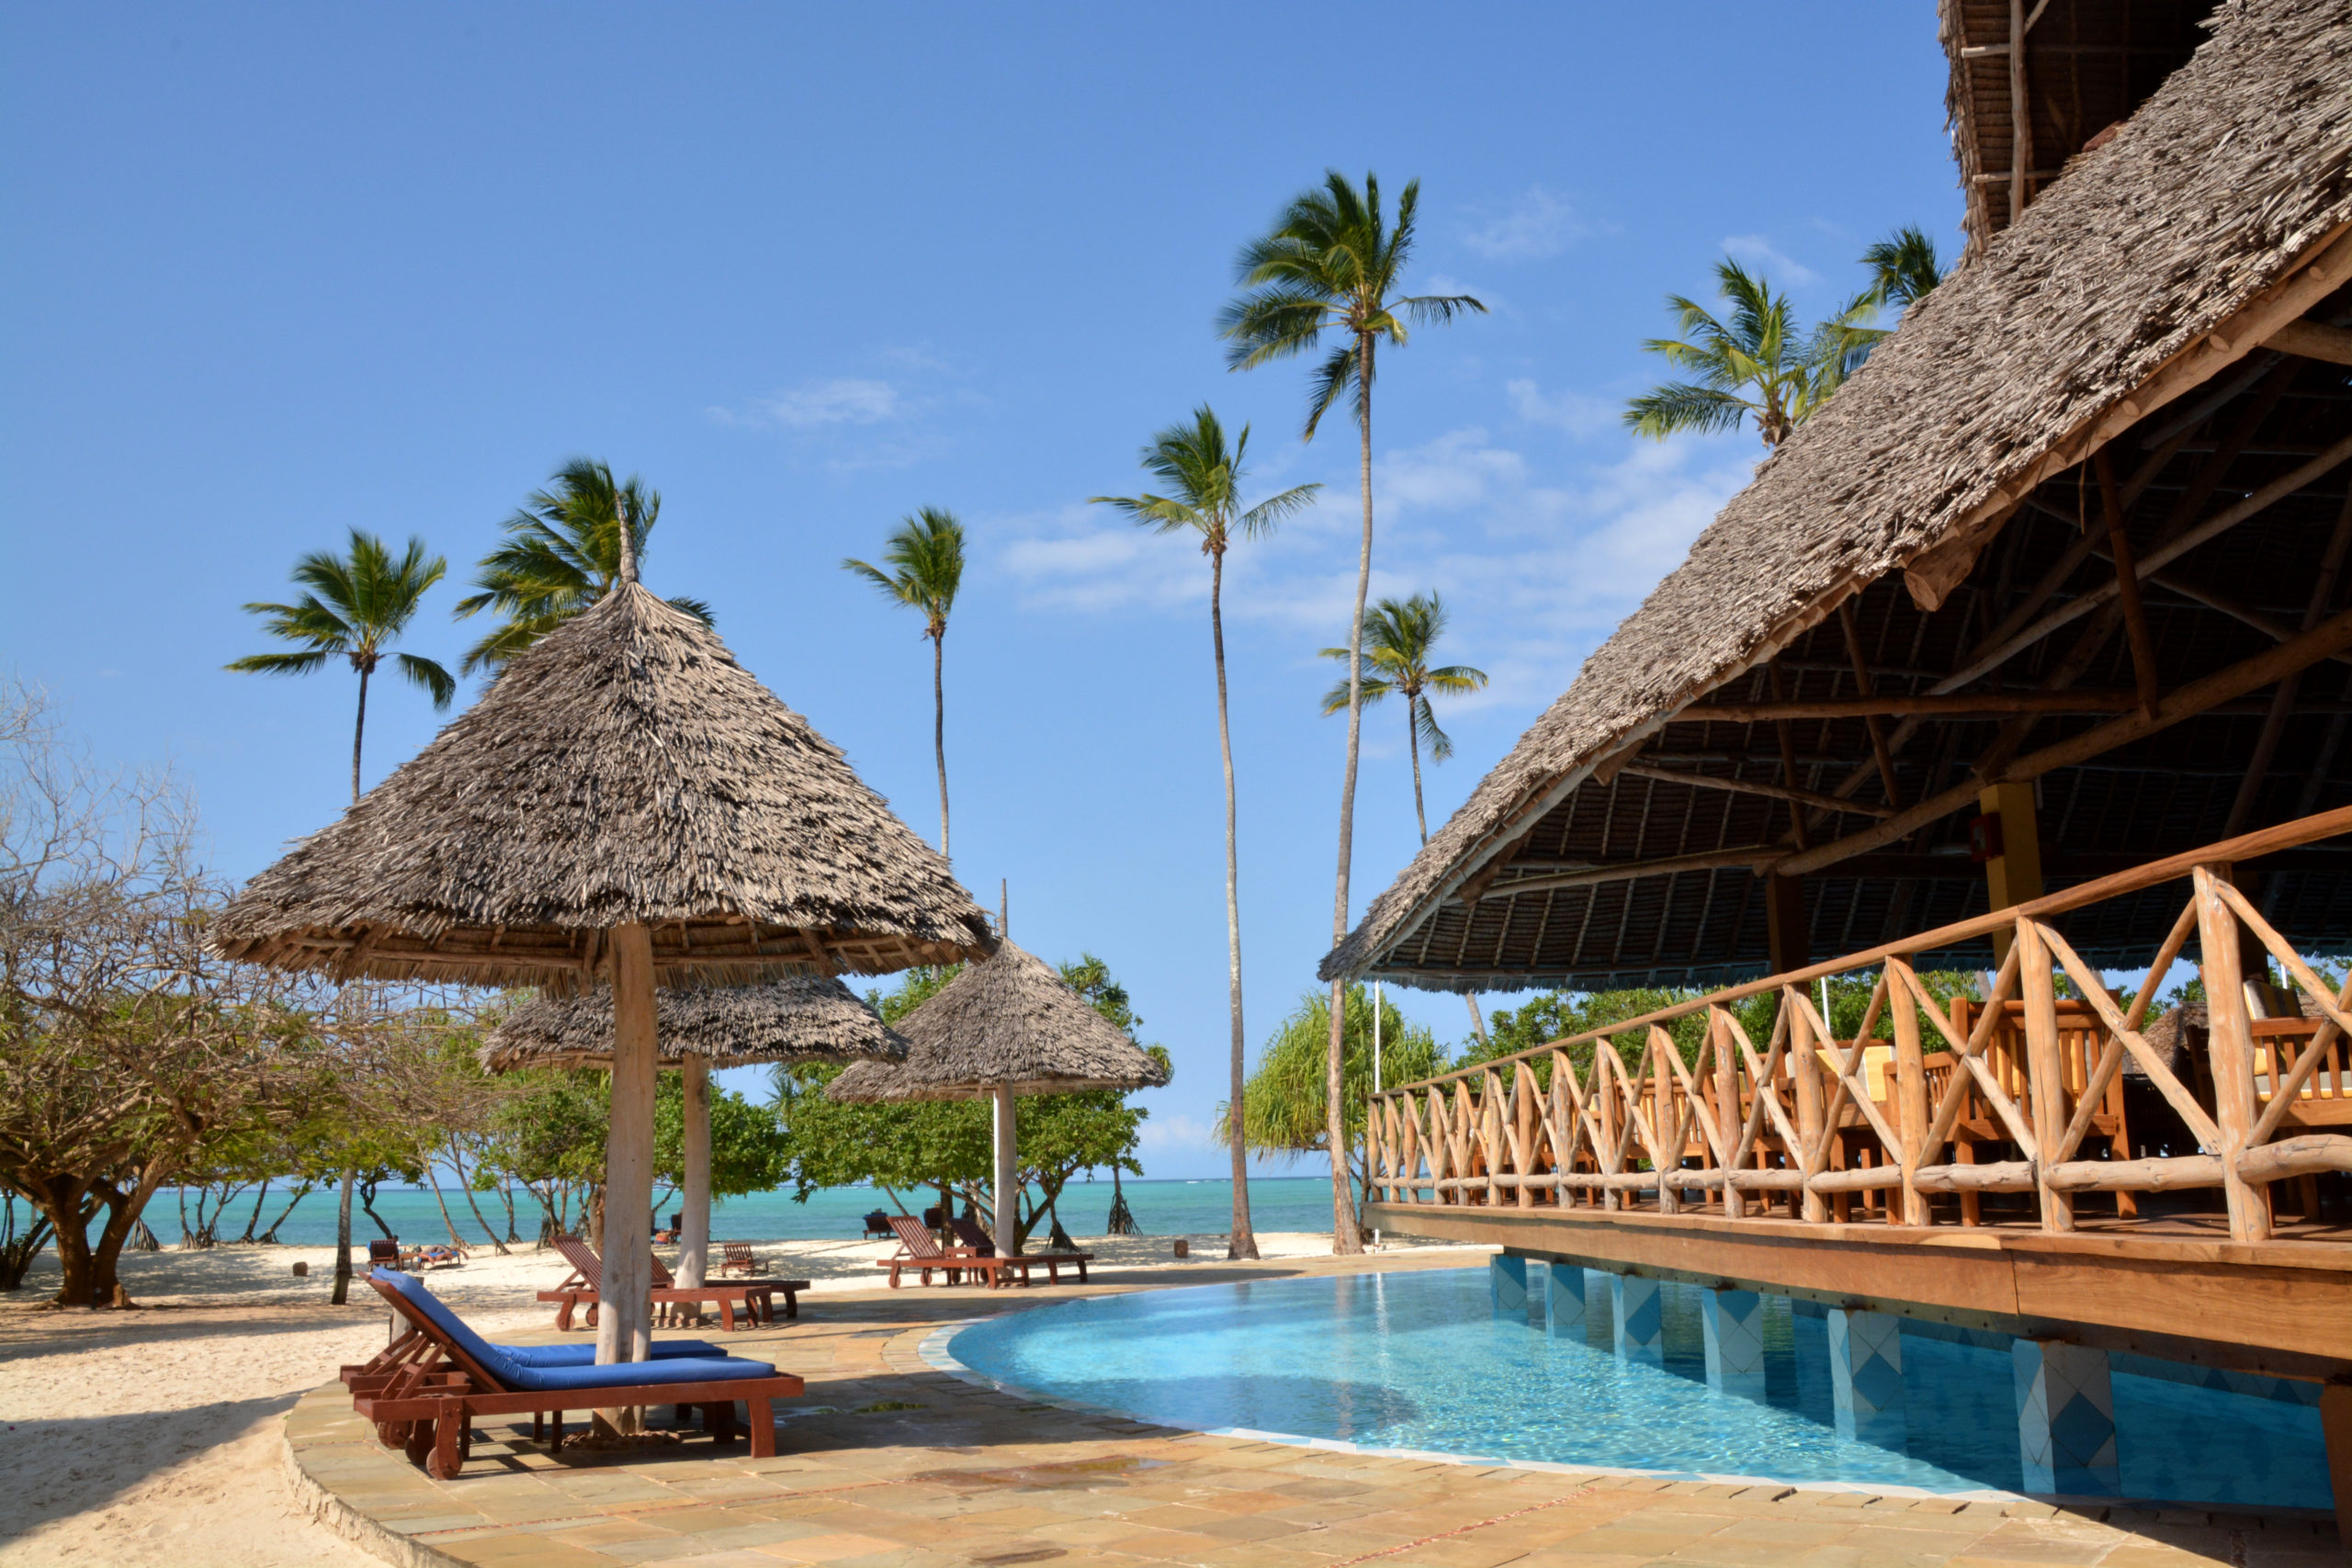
<point>1758,362</point>
<point>357,606</point>
<point>1400,634</point>
<point>1331,262</point>
<point>561,554</point>
<point>1204,477</point>
<point>1903,268</point>
<point>927,555</point>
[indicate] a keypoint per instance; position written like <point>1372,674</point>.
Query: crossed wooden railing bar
<point>1808,1125</point>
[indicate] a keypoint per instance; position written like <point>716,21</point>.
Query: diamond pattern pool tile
<point>1733,1321</point>
<point>1507,1278</point>
<point>2065,1419</point>
<point>1866,1375</point>
<point>1640,1317</point>
<point>1566,1308</point>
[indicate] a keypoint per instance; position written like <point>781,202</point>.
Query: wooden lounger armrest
<point>523,1401</point>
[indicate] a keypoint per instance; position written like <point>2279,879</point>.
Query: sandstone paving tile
<point>1253,1502</point>
<point>1457,1553</point>
<point>1164,1545</point>
<point>1625,1540</point>
<point>1337,1511</point>
<point>544,1555</point>
<point>610,1532</point>
<point>1085,1533</point>
<point>1787,1529</point>
<point>1175,1516</point>
<point>425,1524</point>
<point>2016,1545</point>
<point>1249,1526</point>
<point>1018,1518</point>
<point>832,1548</point>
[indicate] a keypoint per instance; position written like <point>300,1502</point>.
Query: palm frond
<point>437,682</point>
<point>1332,379</point>
<point>1371,689</point>
<point>699,608</point>
<point>279,663</point>
<point>1679,406</point>
<point>1260,519</point>
<point>1440,744</point>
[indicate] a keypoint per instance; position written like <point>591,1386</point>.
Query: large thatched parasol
<point>1004,1027</point>
<point>626,803</point>
<point>808,1017</point>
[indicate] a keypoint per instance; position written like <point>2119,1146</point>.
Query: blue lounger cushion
<point>585,1355</point>
<point>495,1360</point>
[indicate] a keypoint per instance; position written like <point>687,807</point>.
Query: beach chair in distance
<point>445,1375</point>
<point>384,1253</point>
<point>969,1234</point>
<point>754,1298</point>
<point>878,1225</point>
<point>664,1281</point>
<point>920,1250</point>
<point>735,1258</point>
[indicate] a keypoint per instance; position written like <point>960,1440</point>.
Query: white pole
<point>1007,1228</point>
<point>1375,1068</point>
<point>694,1243</point>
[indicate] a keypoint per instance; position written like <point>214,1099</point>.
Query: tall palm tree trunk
<point>342,1239</point>
<point>1345,1236</point>
<point>1244,1242</point>
<point>358,734</point>
<point>1422,818</point>
<point>939,728</point>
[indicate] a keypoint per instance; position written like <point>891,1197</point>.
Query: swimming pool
<point>1422,1362</point>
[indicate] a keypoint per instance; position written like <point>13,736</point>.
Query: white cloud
<point>1537,225</point>
<point>1760,253</point>
<point>845,400</point>
<point>1174,1133</point>
<point>1578,413</point>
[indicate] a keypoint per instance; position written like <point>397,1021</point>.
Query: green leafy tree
<point>562,553</point>
<point>1286,1108</point>
<point>1204,479</point>
<point>1333,265</point>
<point>926,561</point>
<point>357,606</point>
<point>1755,360</point>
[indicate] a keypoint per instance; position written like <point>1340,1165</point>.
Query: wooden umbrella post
<point>1008,1225</point>
<point>624,1319</point>
<point>694,1241</point>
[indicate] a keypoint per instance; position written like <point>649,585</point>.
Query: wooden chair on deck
<point>2082,1040</point>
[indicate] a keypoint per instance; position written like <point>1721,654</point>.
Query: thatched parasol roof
<point>2231,178</point>
<point>1007,1022</point>
<point>624,771</point>
<point>808,1017</point>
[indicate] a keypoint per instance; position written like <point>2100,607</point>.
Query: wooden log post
<point>624,1310</point>
<point>1729,1118</point>
<point>1787,941</point>
<point>2230,1040</point>
<point>2045,1071</point>
<point>1523,1120</point>
<point>2014,874</point>
<point>694,1240</point>
<point>1910,1095</point>
<point>1811,1113</point>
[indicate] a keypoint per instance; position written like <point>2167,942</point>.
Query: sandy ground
<point>151,1438</point>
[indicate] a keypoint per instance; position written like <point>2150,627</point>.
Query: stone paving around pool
<point>887,1461</point>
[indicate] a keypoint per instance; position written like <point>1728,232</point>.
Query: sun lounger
<point>425,1390</point>
<point>968,1233</point>
<point>754,1298</point>
<point>790,1288</point>
<point>921,1251</point>
<point>735,1258</point>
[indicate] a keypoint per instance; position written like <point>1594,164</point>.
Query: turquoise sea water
<point>1423,1360</point>
<point>1161,1208</point>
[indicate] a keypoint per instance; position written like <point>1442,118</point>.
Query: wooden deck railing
<point>2019,1092</point>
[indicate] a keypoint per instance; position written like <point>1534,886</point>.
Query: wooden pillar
<point>1813,1111</point>
<point>694,1242</point>
<point>1008,1170</point>
<point>1785,932</point>
<point>2046,1072</point>
<point>1910,1095</point>
<point>1730,1121</point>
<point>2229,1039</point>
<point>624,1313</point>
<point>2013,876</point>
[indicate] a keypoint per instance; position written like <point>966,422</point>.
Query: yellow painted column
<point>2014,875</point>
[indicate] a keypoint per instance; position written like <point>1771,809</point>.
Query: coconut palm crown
<point>926,561</point>
<point>561,554</point>
<point>356,607</point>
<point>1400,635</point>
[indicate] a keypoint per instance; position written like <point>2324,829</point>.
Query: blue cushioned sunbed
<point>500,1362</point>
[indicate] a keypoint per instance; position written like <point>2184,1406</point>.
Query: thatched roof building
<point>807,1018</point>
<point>1920,583</point>
<point>624,771</point>
<point>1010,1022</point>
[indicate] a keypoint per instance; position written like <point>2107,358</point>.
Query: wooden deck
<point>1975,1158</point>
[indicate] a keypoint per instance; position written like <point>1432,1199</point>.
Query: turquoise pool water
<point>1422,1360</point>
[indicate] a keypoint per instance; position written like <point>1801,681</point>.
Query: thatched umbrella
<point>808,1017</point>
<point>1004,1027</point>
<point>626,803</point>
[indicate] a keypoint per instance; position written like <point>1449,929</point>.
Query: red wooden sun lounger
<point>754,1298</point>
<point>424,1391</point>
<point>969,1233</point>
<point>920,1250</point>
<point>790,1288</point>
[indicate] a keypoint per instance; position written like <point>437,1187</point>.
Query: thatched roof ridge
<point>1009,1020</point>
<point>2237,169</point>
<point>625,770</point>
<point>808,1017</point>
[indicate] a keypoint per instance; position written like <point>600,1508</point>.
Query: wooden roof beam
<point>1750,786</point>
<point>1936,705</point>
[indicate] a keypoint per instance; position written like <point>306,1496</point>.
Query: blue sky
<point>275,272</point>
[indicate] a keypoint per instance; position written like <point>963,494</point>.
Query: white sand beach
<point>151,1437</point>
